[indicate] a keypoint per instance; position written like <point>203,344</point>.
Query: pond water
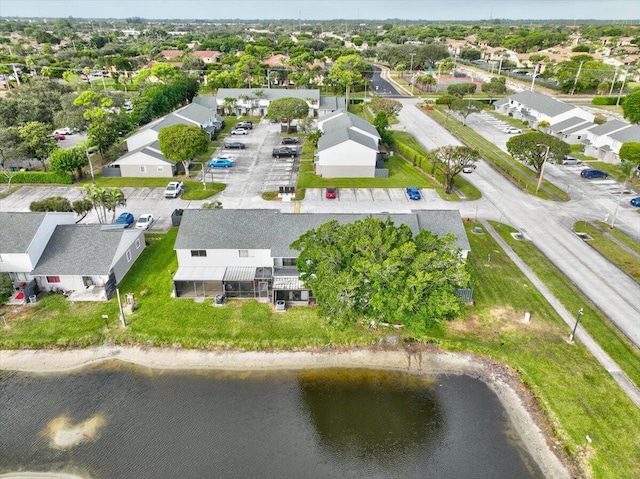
<point>335,423</point>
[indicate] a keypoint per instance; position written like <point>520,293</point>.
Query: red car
<point>59,136</point>
<point>331,192</point>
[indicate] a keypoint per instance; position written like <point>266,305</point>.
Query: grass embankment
<point>614,245</point>
<point>520,175</point>
<point>578,396</point>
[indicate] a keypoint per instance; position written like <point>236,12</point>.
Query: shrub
<point>604,100</point>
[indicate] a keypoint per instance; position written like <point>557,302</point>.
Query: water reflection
<point>371,417</point>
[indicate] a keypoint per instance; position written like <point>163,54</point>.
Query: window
<point>288,262</point>
<point>198,252</point>
<point>138,243</point>
<point>53,279</point>
<point>129,255</point>
<point>243,253</point>
<point>143,169</point>
<point>160,168</point>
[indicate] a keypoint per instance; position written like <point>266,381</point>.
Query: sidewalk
<point>601,356</point>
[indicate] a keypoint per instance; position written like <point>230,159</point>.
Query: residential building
<point>255,102</point>
<point>247,253</point>
<point>534,107</point>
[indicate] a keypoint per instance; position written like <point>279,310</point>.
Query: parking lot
<point>254,170</point>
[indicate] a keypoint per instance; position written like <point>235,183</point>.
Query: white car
<point>63,131</point>
<point>512,130</point>
<point>144,222</point>
<point>239,131</point>
<point>174,189</point>
<point>468,168</point>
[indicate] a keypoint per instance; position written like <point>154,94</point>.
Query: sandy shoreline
<point>515,399</point>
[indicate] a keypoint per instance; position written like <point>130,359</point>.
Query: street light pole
<point>573,333</point>
<point>411,71</point>
<point>93,177</point>
<point>544,162</point>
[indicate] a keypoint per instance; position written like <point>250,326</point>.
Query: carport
<point>198,282</point>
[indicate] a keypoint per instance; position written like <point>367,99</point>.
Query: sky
<point>621,10</point>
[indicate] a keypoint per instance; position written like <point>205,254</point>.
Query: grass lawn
<point>194,190</point>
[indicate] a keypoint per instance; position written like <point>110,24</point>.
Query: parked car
<point>174,189</point>
<point>571,160</point>
<point>240,131</point>
<point>247,124</point>
<point>331,192</point>
<point>285,151</point>
<point>220,163</point>
<point>64,131</point>
<point>468,168</point>
<point>512,130</point>
<point>590,173</point>
<point>125,219</point>
<point>144,221</point>
<point>635,201</point>
<point>59,136</point>
<point>288,140</point>
<point>237,145</point>
<point>414,193</point>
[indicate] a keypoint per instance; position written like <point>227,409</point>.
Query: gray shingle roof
<point>208,101</point>
<point>579,128</point>
<point>17,231</point>
<point>562,126</point>
<point>631,133</point>
<point>152,149</point>
<point>332,103</point>
<point>541,103</point>
<point>608,127</point>
<point>195,112</point>
<point>271,229</point>
<point>80,250</point>
<point>268,93</point>
<point>334,137</point>
<point>343,120</point>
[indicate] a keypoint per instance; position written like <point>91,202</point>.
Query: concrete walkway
<point>601,356</point>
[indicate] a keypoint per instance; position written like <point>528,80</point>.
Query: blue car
<point>636,201</point>
<point>220,163</point>
<point>414,193</point>
<point>590,173</point>
<point>125,219</point>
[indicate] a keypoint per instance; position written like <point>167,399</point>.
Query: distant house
<point>247,254</point>
<point>208,56</point>
<point>49,252</point>
<point>535,107</point>
<point>348,148</point>
<point>255,102</point>
<point>171,54</point>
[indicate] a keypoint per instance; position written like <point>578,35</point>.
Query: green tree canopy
<point>53,203</point>
<point>6,287</point>
<point>630,151</point>
<point>37,142</point>
<point>182,143</point>
<point>374,270</point>
<point>104,200</point>
<point>460,90</point>
<point>288,108</point>
<point>631,107</point>
<point>496,86</point>
<point>466,107</point>
<point>531,149</point>
<point>69,160</point>
<point>451,160</point>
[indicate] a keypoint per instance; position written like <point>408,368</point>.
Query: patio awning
<point>199,273</point>
<point>289,283</point>
<point>240,273</point>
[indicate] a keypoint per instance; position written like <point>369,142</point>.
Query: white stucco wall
<point>346,160</point>
<point>226,257</point>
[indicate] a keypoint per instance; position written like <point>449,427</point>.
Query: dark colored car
<point>413,193</point>
<point>590,173</point>
<point>285,151</point>
<point>237,145</point>
<point>635,201</point>
<point>331,192</point>
<point>125,219</point>
<point>288,140</point>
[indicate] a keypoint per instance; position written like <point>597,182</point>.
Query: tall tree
<point>37,142</point>
<point>69,160</point>
<point>531,149</point>
<point>496,86</point>
<point>460,90</point>
<point>182,143</point>
<point>466,107</point>
<point>288,108</point>
<point>374,270</point>
<point>631,107</point>
<point>104,201</point>
<point>451,160</point>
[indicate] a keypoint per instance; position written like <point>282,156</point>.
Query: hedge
<point>42,177</point>
<point>605,100</point>
<point>415,157</point>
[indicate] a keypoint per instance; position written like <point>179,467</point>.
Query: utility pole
<point>621,88</point>
<point>575,82</point>
<point>613,82</point>
<point>544,162</point>
<point>411,71</point>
